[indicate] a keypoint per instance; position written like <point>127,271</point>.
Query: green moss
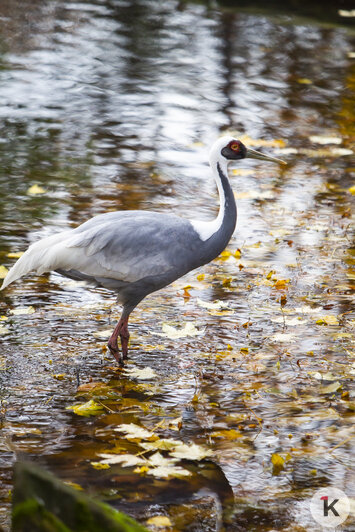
<point>42,503</point>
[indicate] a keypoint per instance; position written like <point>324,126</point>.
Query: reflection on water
<point>112,105</point>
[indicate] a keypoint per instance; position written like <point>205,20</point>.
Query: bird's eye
<point>234,146</point>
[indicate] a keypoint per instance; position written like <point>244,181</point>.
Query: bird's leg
<point>124,335</point>
<point>121,330</point>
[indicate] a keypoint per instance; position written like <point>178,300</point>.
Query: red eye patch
<point>234,146</point>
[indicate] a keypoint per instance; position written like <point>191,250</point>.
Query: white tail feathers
<point>38,258</point>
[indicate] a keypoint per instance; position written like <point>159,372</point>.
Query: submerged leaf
<point>22,310</point>
<point>304,81</point>
<point>159,521</point>
<point>3,272</point>
<point>331,388</point>
<point>212,306</point>
<point>169,471</point>
<point>100,465</point>
<point>158,460</point>
<point>144,374</point>
<point>231,434</point>
<point>283,337</point>
<point>103,335</point>
<point>35,189</point>
<point>15,254</point>
<point>126,460</point>
<point>90,408</point>
<point>164,444</point>
<point>277,460</point>
<point>135,431</point>
<point>328,320</point>
<point>3,329</point>
<point>319,139</point>
<point>191,451</point>
<point>188,329</point>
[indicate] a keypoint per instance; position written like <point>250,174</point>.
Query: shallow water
<point>113,105</point>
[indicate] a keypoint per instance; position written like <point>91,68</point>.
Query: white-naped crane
<point>135,253</point>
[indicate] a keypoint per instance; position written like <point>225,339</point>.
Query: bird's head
<point>232,149</point>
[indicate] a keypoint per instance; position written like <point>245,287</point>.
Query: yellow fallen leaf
<point>243,171</point>
<point>318,139</point>
<point>58,376</point>
<point>168,472</point>
<point>328,320</point>
<point>3,272</point>
<point>86,409</point>
<point>15,255</point>
<point>126,460</point>
<point>304,81</point>
<point>22,310</point>
<point>352,190</point>
<point>272,143</point>
<point>191,451</point>
<point>4,318</point>
<point>73,485</point>
<point>144,374</point>
<point>200,276</point>
<point>141,469</point>
<point>164,444</point>
<point>176,424</point>
<point>277,460</point>
<point>135,431</point>
<point>197,144</point>
<point>35,189</point>
<point>281,283</point>
<point>286,151</point>
<point>100,465</point>
<point>212,306</point>
<point>91,387</point>
<point>283,337</point>
<point>158,460</point>
<point>227,281</point>
<point>103,335</point>
<point>3,330</point>
<point>221,312</point>
<point>188,329</point>
<point>159,521</point>
<point>330,388</point>
<point>231,434</point>
<point>346,13</point>
<point>326,152</point>
<point>225,254</point>
<point>342,335</point>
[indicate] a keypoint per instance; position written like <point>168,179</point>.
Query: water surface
<point>112,105</point>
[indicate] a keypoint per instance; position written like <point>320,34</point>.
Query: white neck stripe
<point>206,229</point>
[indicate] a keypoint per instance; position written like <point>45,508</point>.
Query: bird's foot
<point>116,353</point>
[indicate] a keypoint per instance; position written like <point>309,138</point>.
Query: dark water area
<point>112,105</point>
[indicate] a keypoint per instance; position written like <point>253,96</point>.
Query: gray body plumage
<point>150,250</point>
<point>144,250</point>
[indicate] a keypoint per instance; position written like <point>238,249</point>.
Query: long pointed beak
<point>253,154</point>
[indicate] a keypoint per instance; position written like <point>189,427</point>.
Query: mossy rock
<point>42,503</point>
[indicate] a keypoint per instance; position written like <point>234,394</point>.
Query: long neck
<point>227,217</point>
<point>216,234</point>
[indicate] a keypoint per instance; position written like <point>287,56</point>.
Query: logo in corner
<point>330,507</point>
